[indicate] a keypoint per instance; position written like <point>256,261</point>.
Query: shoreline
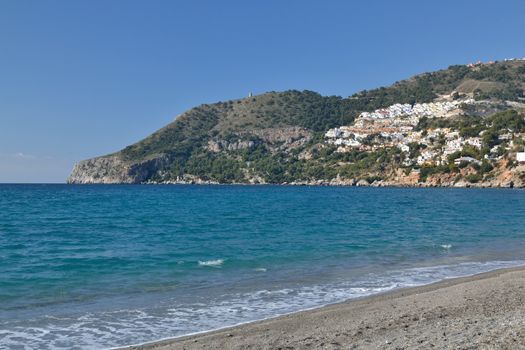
<point>240,184</point>
<point>479,185</point>
<point>329,184</point>
<point>403,318</point>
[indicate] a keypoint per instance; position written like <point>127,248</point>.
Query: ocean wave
<point>446,246</point>
<point>217,262</point>
<point>123,327</point>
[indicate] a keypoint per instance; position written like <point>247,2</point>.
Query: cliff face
<point>113,170</point>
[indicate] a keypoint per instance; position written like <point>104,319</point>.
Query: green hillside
<point>277,137</point>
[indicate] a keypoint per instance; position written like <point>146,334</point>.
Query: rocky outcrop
<point>285,138</point>
<point>282,135</point>
<point>114,170</point>
<point>222,145</point>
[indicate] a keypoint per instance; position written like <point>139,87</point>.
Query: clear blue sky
<point>80,79</point>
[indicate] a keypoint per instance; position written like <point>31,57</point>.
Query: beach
<point>104,267</point>
<point>484,311</point>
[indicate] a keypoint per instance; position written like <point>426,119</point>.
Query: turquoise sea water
<point>102,266</point>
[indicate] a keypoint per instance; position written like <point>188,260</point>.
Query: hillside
<point>459,126</point>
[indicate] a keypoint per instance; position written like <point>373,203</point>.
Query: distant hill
<point>280,137</point>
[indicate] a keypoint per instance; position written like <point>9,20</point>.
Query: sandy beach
<point>485,311</point>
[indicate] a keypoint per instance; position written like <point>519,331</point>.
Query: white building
<point>466,160</point>
<point>520,157</point>
<point>404,148</point>
<point>426,157</point>
<point>473,141</point>
<point>333,133</point>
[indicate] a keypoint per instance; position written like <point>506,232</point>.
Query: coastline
<point>506,180</point>
<point>485,310</point>
<point>350,184</point>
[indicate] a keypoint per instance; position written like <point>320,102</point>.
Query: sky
<point>79,79</point>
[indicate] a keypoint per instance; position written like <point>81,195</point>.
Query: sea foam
<point>98,330</point>
<point>217,262</point>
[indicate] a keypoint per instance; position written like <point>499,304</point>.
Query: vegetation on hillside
<point>184,141</point>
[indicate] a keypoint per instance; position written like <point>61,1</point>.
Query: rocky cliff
<point>114,170</point>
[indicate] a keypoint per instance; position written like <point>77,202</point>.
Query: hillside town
<point>397,126</point>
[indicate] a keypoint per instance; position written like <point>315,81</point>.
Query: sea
<point>103,266</point>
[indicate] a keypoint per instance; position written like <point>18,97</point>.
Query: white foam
<point>217,262</point>
<point>261,269</point>
<point>446,246</point>
<point>121,327</point>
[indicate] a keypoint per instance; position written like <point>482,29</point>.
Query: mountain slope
<point>279,137</point>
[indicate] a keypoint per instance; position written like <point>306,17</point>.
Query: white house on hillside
<point>460,160</point>
<point>520,157</point>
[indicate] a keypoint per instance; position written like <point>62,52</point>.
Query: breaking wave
<point>217,262</point>
<point>134,326</point>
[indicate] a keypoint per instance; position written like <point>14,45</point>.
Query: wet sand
<point>485,311</point>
